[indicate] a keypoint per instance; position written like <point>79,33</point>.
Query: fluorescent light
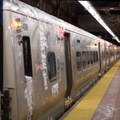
<point>96,15</point>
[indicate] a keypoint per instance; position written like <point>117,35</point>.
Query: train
<point>46,64</point>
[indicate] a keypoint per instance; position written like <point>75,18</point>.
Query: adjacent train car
<point>46,63</point>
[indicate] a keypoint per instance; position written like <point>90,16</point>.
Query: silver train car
<point>46,64</point>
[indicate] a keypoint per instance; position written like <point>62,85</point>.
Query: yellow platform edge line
<point>86,108</point>
<point>68,102</point>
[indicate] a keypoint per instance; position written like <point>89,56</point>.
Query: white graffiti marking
<point>43,46</point>
<point>28,92</point>
<point>55,89</point>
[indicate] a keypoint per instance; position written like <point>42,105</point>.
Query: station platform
<point>103,100</point>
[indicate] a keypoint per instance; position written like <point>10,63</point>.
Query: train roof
<point>35,13</point>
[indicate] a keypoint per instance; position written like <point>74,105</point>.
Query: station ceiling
<point>110,13</point>
<point>73,12</point>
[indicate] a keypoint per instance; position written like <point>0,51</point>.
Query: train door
<point>28,92</point>
<point>106,63</point>
<point>100,57</point>
<point>1,58</point>
<point>68,64</point>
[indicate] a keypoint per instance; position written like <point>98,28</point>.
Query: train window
<point>78,58</point>
<point>51,65</point>
<point>88,57</point>
<point>91,57</point>
<point>84,58</point>
<point>102,55</point>
<point>118,53</point>
<point>78,41</point>
<point>113,53</point>
<point>96,56</point>
<point>27,56</point>
<point>107,54</point>
<point>110,53</point>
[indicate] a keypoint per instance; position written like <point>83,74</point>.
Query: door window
<point>27,56</point>
<point>51,65</point>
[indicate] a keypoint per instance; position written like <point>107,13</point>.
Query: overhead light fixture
<point>96,15</point>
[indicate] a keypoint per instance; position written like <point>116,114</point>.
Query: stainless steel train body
<point>46,61</point>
